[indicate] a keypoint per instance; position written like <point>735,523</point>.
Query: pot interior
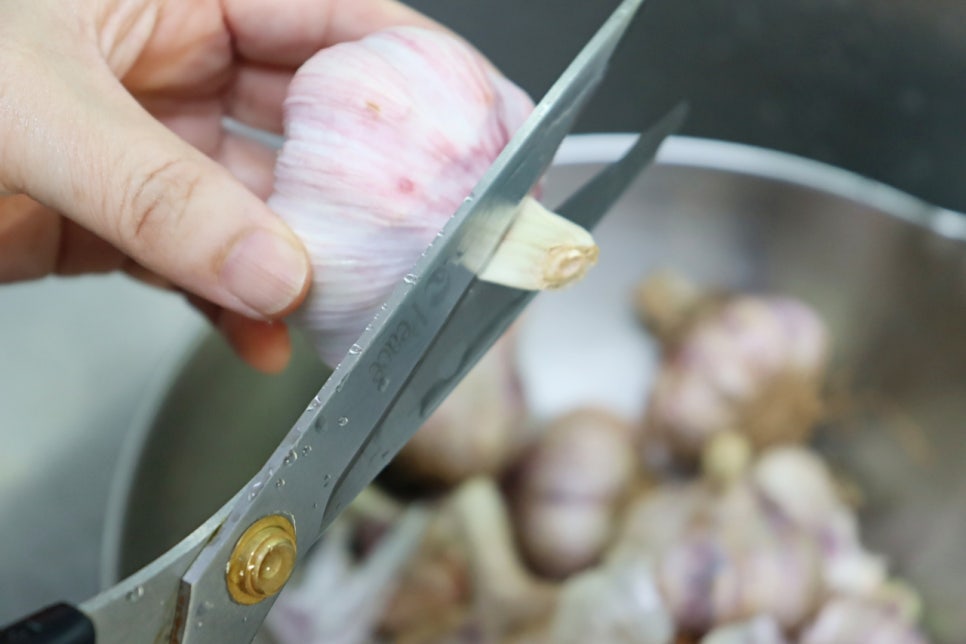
<point>891,291</point>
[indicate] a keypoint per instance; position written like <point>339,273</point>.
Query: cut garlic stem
<point>726,458</point>
<point>508,595</point>
<point>541,251</point>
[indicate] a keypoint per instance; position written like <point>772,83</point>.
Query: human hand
<point>112,154</point>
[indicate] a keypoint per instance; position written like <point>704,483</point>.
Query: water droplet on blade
<point>355,350</point>
<point>291,457</point>
<point>410,278</point>
<point>343,421</point>
<point>280,483</point>
<point>135,594</point>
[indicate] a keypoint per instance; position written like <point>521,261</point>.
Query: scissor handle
<point>56,624</point>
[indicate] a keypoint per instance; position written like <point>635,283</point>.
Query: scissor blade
<point>483,314</point>
<point>324,450</point>
<point>591,202</point>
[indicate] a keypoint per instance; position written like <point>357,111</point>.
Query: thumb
<point>77,141</point>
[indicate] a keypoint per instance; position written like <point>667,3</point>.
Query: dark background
<point>875,86</point>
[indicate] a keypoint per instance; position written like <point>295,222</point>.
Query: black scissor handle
<point>57,624</point>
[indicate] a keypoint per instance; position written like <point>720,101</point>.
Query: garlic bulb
<point>799,486</point>
<point>853,619</point>
<point>432,592</point>
<point>476,431</point>
<point>752,364</point>
<point>719,557</point>
<point>506,596</point>
<point>618,603</point>
<point>385,137</point>
<point>569,488</point>
<point>760,630</point>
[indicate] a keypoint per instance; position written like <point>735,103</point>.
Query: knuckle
<point>156,201</point>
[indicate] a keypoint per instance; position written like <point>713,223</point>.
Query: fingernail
<point>265,271</point>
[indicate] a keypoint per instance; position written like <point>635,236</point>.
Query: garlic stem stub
<point>385,137</point>
<point>541,251</point>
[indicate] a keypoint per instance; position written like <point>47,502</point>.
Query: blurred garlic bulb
<point>432,591</point>
<point>853,619</point>
<point>800,487</point>
<point>568,490</point>
<point>385,137</point>
<point>719,558</point>
<point>476,431</point>
<point>752,364</point>
<point>617,603</point>
<point>336,600</point>
<point>507,597</point>
<point>760,630</point>
<point>654,521</point>
<point>798,483</point>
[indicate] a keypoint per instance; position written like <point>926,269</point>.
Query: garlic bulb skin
<point>760,630</point>
<point>798,483</point>
<point>617,603</point>
<point>477,430</point>
<point>385,137</point>
<point>853,619</point>
<point>718,556</point>
<point>568,490</point>
<point>799,486</point>
<point>752,364</point>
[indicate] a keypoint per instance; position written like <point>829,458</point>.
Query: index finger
<point>288,32</point>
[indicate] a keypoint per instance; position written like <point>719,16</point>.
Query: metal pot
<point>886,271</point>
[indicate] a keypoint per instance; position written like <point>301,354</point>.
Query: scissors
<point>219,583</point>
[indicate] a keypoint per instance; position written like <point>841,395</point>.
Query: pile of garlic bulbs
<point>579,535</point>
<point>706,520</point>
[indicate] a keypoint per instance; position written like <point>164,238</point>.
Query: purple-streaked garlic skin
<point>719,557</point>
<point>799,488</point>
<point>854,619</point>
<point>477,430</point>
<point>569,488</point>
<point>796,481</point>
<point>721,373</point>
<point>385,137</point>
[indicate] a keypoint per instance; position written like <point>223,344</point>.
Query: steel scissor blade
<point>483,314</point>
<point>360,418</point>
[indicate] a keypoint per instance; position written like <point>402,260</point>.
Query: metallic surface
<point>262,561</point>
<point>862,253</point>
<point>872,85</point>
<point>78,358</point>
<point>375,399</point>
<point>875,86</point>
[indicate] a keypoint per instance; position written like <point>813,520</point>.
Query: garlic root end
<point>541,251</point>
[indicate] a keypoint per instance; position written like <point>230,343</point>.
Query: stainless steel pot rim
<point>132,449</point>
<point>577,149</point>
<point>787,168</point>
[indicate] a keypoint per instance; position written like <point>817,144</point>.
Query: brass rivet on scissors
<point>262,561</point>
